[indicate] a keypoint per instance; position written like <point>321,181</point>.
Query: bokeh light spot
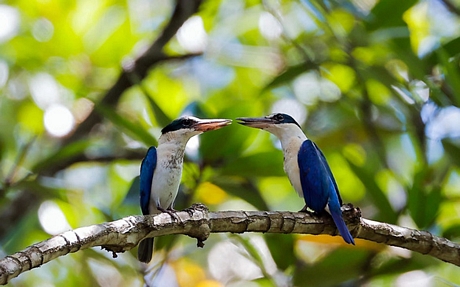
<point>43,30</point>
<point>58,120</point>
<point>192,36</point>
<point>44,90</point>
<point>9,22</point>
<point>52,219</point>
<point>4,72</point>
<point>291,107</point>
<point>269,26</point>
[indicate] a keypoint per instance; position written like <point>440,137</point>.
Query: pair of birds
<point>304,164</point>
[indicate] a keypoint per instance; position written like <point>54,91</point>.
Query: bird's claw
<point>170,211</point>
<point>306,210</point>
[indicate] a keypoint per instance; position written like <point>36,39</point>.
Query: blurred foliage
<point>374,83</point>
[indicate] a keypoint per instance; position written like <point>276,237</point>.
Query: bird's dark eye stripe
<point>187,122</point>
<point>279,117</point>
<point>178,124</point>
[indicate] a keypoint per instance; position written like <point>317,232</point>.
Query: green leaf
<point>380,73</point>
<point>401,265</point>
<point>282,249</point>
<point>2,149</point>
<point>453,151</point>
<point>130,204</point>
<point>161,118</point>
<point>388,13</point>
<point>381,202</point>
<point>434,200</point>
<point>132,196</point>
<point>21,155</point>
<point>260,164</point>
<point>452,232</point>
<point>16,238</point>
<point>402,48</point>
<point>423,204</point>
<point>340,265</point>
<point>290,74</point>
<point>62,154</point>
<point>452,74</point>
<point>226,143</point>
<point>451,49</point>
<point>243,189</point>
<point>165,242</point>
<point>132,129</point>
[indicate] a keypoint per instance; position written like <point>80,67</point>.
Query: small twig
<point>451,7</point>
<point>9,179</point>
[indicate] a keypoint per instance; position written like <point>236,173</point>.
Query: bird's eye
<point>278,117</point>
<point>187,122</point>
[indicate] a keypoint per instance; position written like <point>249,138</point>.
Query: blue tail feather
<point>145,250</point>
<point>341,226</point>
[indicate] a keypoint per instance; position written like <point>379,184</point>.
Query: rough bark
<point>124,234</point>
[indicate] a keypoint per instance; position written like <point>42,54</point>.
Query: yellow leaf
<point>188,272</point>
<point>355,153</point>
<point>343,76</point>
<point>378,93</point>
<point>341,21</point>
<point>338,241</point>
<point>419,27</point>
<point>209,283</point>
<point>209,193</point>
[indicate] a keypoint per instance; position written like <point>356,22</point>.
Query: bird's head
<point>278,124</point>
<point>186,127</point>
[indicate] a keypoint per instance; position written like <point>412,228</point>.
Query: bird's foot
<point>310,212</point>
<point>305,209</point>
<point>170,211</point>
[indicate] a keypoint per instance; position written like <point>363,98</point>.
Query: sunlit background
<point>374,83</point>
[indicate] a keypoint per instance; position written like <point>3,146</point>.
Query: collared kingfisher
<point>161,169</point>
<point>305,166</point>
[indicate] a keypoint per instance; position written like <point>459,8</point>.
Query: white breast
<point>167,177</point>
<point>291,165</point>
<point>291,137</point>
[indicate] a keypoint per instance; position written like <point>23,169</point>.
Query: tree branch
<point>124,234</point>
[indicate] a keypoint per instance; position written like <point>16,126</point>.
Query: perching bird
<point>161,169</point>
<point>305,166</point>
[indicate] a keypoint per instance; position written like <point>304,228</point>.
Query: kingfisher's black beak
<point>259,123</point>
<point>210,125</point>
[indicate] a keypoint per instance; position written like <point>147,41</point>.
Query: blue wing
<point>314,176</point>
<point>329,172</point>
<point>148,166</point>
<point>319,186</point>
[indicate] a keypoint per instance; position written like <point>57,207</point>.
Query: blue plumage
<point>148,166</point>
<point>306,167</point>
<point>161,170</point>
<point>313,176</point>
<point>319,186</point>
